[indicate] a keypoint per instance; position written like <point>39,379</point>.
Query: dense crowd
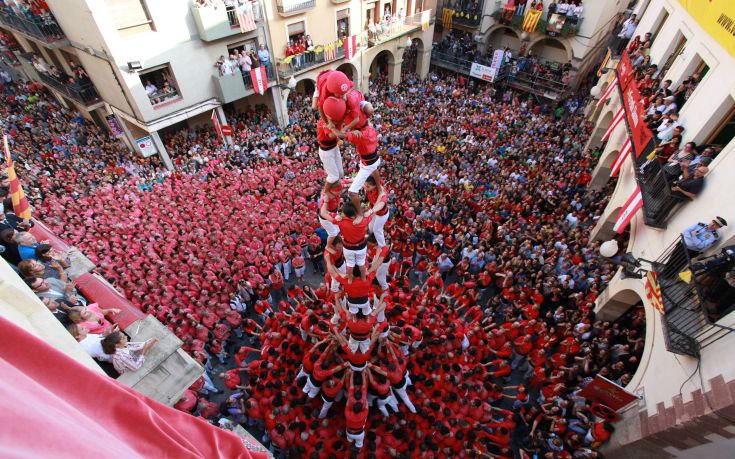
<point>491,263</point>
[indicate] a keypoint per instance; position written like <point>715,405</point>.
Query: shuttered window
<point>297,28</point>
<point>129,16</point>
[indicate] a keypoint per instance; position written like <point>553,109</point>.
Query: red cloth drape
<point>53,406</point>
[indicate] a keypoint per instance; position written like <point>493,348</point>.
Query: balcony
<point>696,294</point>
<point>82,92</point>
<point>322,54</point>
<point>216,22</point>
<point>467,17</point>
<point>558,26</point>
<point>450,62</point>
<point>238,85</point>
<point>41,27</point>
<point>388,30</point>
<point>288,8</point>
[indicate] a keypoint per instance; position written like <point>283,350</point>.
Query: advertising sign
<point>608,393</point>
<point>146,146</point>
<point>483,72</point>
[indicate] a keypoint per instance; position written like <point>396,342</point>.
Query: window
<point>343,23</point>
<point>724,131</point>
<point>247,45</point>
<point>296,31</point>
<point>659,24</point>
<point>129,16</point>
<point>160,85</point>
<point>676,52</point>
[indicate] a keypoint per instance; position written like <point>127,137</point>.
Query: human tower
<point>356,355</point>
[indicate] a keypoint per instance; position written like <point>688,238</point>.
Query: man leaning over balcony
<point>701,236</point>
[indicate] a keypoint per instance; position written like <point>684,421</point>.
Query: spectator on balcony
<point>704,159</point>
<point>578,12</point>
<point>669,127</point>
<point>244,62</point>
<point>264,56</point>
<point>688,187</point>
<point>55,289</point>
<point>673,167</point>
<point>254,59</point>
<point>551,9</point>
<point>126,356</point>
<point>521,7</point>
<point>39,64</point>
<point>563,7</point>
<point>309,45</point>
<point>150,89</point>
<point>701,236</point>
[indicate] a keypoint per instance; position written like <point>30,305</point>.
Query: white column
<point>394,72</point>
<point>279,98</point>
<point>423,62</point>
<point>223,121</point>
<point>162,150</point>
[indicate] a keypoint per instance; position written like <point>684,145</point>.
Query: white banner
<point>498,57</point>
<point>146,146</point>
<point>483,72</point>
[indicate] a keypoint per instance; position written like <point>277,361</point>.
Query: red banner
<point>625,70</point>
<point>635,113</point>
<point>606,392</point>
<point>350,45</point>
<point>259,79</point>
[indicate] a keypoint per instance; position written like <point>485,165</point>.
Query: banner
<point>482,72</point>
<point>556,24</point>
<point>21,208</point>
<point>146,146</point>
<point>717,18</point>
<point>606,392</point>
<point>246,17</point>
<point>624,152</point>
<point>634,203</point>
<point>615,121</point>
<point>530,20</point>
<point>350,47</point>
<point>635,113</point>
<point>498,59</point>
<point>259,79</point>
<point>114,124</point>
<point>625,70</point>
<point>610,88</point>
<point>653,292</point>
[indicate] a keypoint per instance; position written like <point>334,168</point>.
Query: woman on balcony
<point>126,356</point>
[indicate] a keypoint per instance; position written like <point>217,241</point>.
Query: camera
<point>725,261</point>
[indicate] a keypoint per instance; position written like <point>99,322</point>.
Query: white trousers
<point>354,344</point>
<point>357,439</point>
<point>355,257</point>
<point>331,229</point>
<point>335,285</point>
<point>332,164</point>
<point>363,174</point>
<point>376,226</point>
<point>381,274</point>
<point>299,272</point>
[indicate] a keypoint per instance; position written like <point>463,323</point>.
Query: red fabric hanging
<point>53,406</point>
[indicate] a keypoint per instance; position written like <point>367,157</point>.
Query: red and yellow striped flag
<point>530,20</point>
<point>20,204</point>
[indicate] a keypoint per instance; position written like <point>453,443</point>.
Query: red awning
<point>53,406</point>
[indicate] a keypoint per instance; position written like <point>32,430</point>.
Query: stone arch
<point>601,174</point>
<point>351,71</point>
<point>603,231</point>
<point>413,56</point>
<point>382,64</point>
<point>551,49</point>
<point>502,36</point>
<point>305,86</point>
<point>600,128</point>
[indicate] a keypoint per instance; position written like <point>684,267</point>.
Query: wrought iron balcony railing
<point>40,26</point>
<point>696,294</point>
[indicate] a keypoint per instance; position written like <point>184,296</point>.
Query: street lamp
<point>631,265</point>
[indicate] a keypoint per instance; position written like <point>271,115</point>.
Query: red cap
<point>334,108</point>
<point>338,83</point>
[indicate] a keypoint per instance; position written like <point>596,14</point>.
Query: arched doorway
<point>411,56</point>
<point>305,86</point>
<point>551,49</point>
<point>380,67</point>
<point>351,71</point>
<point>503,37</point>
<point>602,125</point>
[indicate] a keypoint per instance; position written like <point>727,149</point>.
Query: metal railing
<point>570,26</point>
<point>658,199</point>
<point>464,15</point>
<point>45,28</point>
<point>85,93</point>
<point>292,7</point>
<point>387,30</point>
<point>322,54</point>
<point>451,62</point>
<point>691,300</point>
<point>536,84</point>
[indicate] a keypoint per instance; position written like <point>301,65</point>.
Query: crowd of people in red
<point>481,322</point>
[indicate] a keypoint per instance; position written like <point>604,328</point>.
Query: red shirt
<point>372,196</point>
<point>359,288</point>
<point>353,234</point>
<point>353,99</point>
<point>366,144</point>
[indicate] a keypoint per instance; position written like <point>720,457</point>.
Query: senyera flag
<point>610,88</point>
<point>632,205</point>
<point>259,79</point>
<point>217,125</point>
<point>20,204</point>
<point>624,152</point>
<point>246,17</point>
<point>615,121</point>
<point>350,47</point>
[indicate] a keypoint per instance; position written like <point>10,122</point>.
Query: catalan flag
<point>447,15</point>
<point>20,204</point>
<point>653,292</point>
<point>530,21</point>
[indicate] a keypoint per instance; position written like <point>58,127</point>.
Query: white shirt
<point>92,345</point>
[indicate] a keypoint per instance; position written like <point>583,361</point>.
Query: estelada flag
<point>653,292</point>
<point>21,208</point>
<point>530,21</point>
<point>259,79</point>
<point>350,47</point>
<point>447,15</point>
<point>246,17</point>
<point>634,203</point>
